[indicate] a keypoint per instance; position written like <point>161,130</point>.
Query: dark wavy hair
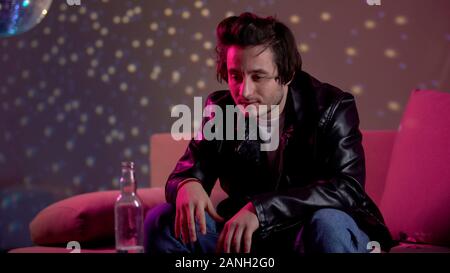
<point>249,29</point>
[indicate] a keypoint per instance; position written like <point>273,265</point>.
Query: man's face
<point>251,77</point>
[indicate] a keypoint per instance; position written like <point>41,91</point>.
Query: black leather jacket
<point>322,164</point>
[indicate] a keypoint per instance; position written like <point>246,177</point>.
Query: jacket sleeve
<point>198,162</point>
<point>344,190</point>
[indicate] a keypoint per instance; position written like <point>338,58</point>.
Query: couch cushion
<point>415,203</point>
<point>84,218</point>
<point>418,248</point>
<point>47,249</point>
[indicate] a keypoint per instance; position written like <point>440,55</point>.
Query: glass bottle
<point>129,214</point>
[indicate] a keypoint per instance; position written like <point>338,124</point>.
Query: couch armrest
<point>86,217</point>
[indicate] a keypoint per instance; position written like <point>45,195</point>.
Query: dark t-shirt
<point>274,157</point>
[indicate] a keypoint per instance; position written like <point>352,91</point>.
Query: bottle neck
<point>128,182</point>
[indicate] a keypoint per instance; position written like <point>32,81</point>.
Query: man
<point>305,196</point>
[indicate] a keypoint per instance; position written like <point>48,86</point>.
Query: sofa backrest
<point>377,148</point>
<point>165,152</point>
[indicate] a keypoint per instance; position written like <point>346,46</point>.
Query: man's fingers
<point>212,212</point>
<point>236,241</point>
<point>183,227</point>
<point>200,214</point>
<point>228,237</point>
<point>219,247</point>
<point>191,224</point>
<point>247,240</point>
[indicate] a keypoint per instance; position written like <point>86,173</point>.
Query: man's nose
<point>247,89</point>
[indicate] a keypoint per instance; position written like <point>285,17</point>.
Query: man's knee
<point>159,216</point>
<point>160,237</point>
<point>158,224</point>
<point>331,220</point>
<point>332,230</point>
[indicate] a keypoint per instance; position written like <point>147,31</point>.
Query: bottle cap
<point>128,164</point>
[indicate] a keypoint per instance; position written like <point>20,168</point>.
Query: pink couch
<point>407,176</point>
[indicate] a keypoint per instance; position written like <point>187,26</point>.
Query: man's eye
<point>235,77</point>
<point>256,78</point>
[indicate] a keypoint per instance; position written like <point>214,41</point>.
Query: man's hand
<point>237,233</point>
<point>191,203</point>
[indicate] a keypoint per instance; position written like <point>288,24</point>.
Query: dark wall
<point>85,89</point>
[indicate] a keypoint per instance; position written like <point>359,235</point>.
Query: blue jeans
<point>327,231</point>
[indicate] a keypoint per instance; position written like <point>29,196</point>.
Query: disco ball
<point>18,16</point>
